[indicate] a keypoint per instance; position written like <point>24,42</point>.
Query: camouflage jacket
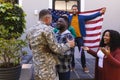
<point>45,50</point>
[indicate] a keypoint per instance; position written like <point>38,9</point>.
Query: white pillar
<point>50,4</point>
<point>20,2</point>
<point>82,4</point>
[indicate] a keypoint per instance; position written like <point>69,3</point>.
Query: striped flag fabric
<point>93,27</point>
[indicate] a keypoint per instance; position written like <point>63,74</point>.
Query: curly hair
<point>114,40</point>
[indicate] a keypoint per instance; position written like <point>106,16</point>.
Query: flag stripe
<point>91,11</point>
<point>90,35</point>
<point>92,45</point>
<point>95,21</point>
<point>91,41</point>
<point>94,25</point>
<point>92,38</point>
<point>94,28</point>
<point>93,32</point>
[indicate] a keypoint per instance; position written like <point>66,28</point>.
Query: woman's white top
<point>100,55</point>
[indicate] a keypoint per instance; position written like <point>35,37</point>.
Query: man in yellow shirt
<point>78,22</point>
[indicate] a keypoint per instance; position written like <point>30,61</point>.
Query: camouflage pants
<point>38,78</point>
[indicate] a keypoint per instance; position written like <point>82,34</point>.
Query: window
<point>65,4</point>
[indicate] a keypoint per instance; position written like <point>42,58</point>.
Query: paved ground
<point>78,74</point>
<point>26,73</point>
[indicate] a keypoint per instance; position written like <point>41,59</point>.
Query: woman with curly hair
<point>107,57</point>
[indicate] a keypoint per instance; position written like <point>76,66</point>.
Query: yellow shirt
<point>75,24</point>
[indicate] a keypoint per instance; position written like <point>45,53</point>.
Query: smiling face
<point>106,38</point>
<point>61,24</point>
<point>74,10</point>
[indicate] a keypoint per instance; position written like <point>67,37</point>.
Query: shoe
<point>72,69</point>
<point>86,70</point>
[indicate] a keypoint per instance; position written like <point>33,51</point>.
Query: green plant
<point>12,25</point>
<point>10,1</point>
<point>12,17</point>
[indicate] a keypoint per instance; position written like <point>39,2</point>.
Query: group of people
<point>53,48</point>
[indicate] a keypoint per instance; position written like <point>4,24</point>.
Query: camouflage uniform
<point>45,48</point>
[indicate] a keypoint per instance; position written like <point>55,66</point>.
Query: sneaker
<point>86,70</point>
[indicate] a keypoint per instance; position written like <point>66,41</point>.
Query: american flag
<point>93,27</point>
<point>57,13</point>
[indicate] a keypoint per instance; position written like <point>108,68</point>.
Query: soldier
<point>45,48</point>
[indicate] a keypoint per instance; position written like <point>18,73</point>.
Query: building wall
<point>112,15</point>
<point>31,8</point>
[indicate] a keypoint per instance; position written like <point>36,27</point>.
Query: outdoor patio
<point>78,74</point>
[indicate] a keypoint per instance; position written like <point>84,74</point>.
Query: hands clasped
<point>71,42</point>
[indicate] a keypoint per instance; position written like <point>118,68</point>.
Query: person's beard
<point>60,27</point>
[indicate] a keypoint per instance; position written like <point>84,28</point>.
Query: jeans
<point>79,41</point>
<point>64,76</point>
<point>73,58</point>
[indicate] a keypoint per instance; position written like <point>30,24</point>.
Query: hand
<point>71,42</point>
<point>85,48</point>
<point>102,11</point>
<point>105,51</point>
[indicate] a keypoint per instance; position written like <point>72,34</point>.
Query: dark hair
<point>114,40</point>
<point>65,17</point>
<point>43,13</point>
<point>74,6</point>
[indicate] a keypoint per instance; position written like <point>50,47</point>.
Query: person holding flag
<point>78,22</point>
